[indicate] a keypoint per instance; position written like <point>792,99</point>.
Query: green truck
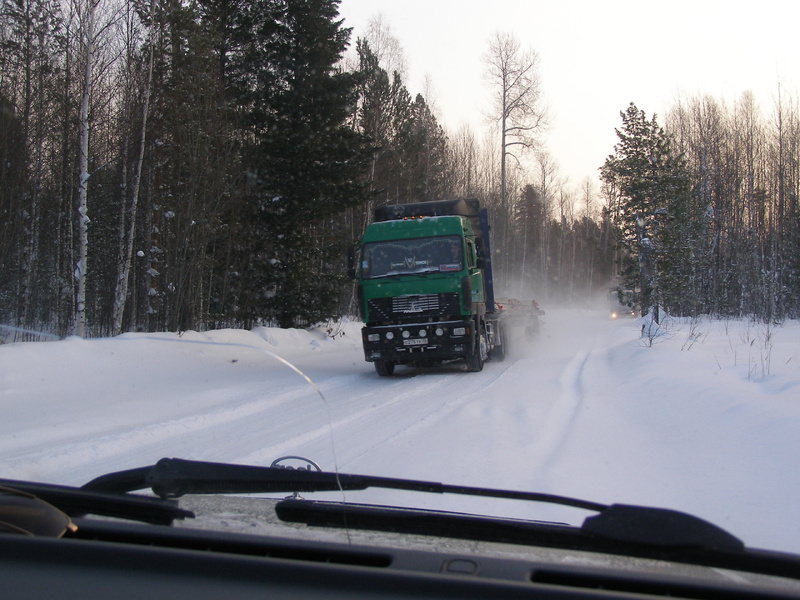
<point>425,288</point>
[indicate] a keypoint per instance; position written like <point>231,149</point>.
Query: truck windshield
<point>420,255</point>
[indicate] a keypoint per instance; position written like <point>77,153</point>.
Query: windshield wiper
<point>635,531</point>
<point>172,478</point>
<point>77,502</point>
<point>615,529</point>
<point>420,271</point>
<point>617,524</point>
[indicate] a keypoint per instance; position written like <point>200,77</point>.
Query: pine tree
<point>305,165</point>
<point>655,217</point>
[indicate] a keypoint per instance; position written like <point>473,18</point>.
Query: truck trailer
<point>426,291</point>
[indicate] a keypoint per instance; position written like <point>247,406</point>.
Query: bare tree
<point>126,258</point>
<point>548,184</point>
<point>517,106</point>
<point>386,47</point>
<point>588,197</point>
<point>464,159</point>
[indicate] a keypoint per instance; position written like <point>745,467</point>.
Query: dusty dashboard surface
<point>251,516</point>
<point>237,547</point>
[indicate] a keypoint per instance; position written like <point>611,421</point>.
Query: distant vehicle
<point>101,541</point>
<point>622,303</point>
<point>426,289</point>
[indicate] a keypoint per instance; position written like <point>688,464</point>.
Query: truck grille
<point>413,305</point>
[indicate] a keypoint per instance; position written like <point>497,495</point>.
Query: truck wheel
<point>477,356</point>
<point>384,368</point>
<point>532,329</point>
<point>498,352</point>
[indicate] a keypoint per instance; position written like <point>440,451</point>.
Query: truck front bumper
<point>442,340</point>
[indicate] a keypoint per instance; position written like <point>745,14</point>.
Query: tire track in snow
<point>210,434</point>
<point>358,424</point>
<point>252,425</point>
<point>558,424</point>
<point>420,409</point>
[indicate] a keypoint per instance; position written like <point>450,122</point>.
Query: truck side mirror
<point>480,256</point>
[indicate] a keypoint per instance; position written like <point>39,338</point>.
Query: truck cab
<point>422,282</point>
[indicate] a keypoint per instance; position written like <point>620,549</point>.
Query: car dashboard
<point>241,551</point>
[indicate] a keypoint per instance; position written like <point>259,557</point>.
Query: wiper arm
<point>77,502</point>
<point>174,477</point>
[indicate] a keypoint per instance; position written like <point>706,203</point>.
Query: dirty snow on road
<point>702,417</point>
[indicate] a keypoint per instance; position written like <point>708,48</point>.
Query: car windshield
<point>418,255</point>
<point>586,408</point>
<point>208,250</point>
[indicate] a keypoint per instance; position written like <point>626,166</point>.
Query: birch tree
<point>88,39</point>
<point>517,105</point>
<point>91,32</point>
<point>387,48</point>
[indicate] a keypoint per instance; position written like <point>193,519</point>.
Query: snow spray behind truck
<point>426,291</point>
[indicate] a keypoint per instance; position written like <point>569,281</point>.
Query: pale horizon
<point>595,59</point>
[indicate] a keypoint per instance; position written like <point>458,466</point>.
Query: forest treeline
<point>706,208</point>
<point>196,164</point>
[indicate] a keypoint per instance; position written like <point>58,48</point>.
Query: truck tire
<point>384,368</point>
<point>532,329</point>
<point>498,352</point>
<point>477,355</point>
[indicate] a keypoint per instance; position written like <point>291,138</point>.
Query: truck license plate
<point>417,342</point>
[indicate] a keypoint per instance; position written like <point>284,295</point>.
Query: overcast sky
<point>596,57</point>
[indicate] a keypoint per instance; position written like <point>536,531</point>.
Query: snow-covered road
<point>697,422</point>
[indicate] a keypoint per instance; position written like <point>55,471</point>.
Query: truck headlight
<point>422,333</point>
<point>439,331</point>
<point>459,331</point>
<point>406,333</point>
<point>373,337</point>
<point>389,335</point>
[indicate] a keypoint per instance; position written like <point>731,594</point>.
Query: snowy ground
<point>706,419</point>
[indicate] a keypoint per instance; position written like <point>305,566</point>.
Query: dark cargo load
<point>440,208</point>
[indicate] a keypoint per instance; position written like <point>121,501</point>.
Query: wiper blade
<point>420,271</point>
<point>664,534</point>
<point>174,477</point>
<point>415,521</point>
<point>658,527</point>
<point>77,502</point>
<point>618,524</point>
<point>425,270</point>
